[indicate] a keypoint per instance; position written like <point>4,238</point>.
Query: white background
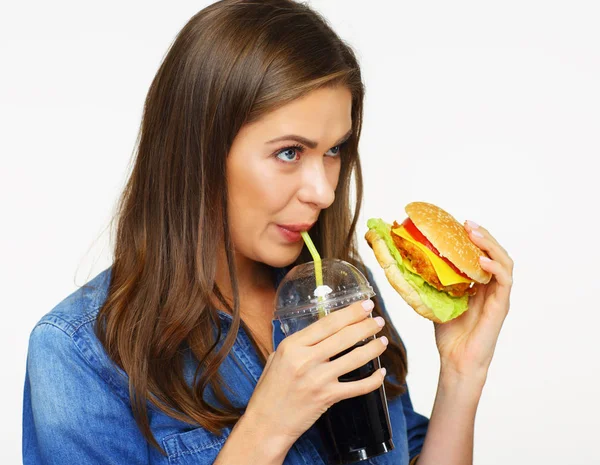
<point>489,109</point>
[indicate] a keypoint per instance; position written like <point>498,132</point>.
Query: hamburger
<point>429,260</point>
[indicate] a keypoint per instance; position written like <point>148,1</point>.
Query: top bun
<point>449,237</point>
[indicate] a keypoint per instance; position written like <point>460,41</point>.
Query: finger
<point>346,390</point>
<point>472,226</point>
<point>357,357</point>
<point>502,275</point>
<point>492,316</point>
<point>488,235</point>
<point>348,336</point>
<point>332,323</point>
<point>485,241</point>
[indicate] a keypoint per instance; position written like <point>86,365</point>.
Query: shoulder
<point>63,342</point>
<point>80,307</point>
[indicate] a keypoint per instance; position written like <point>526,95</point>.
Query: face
<point>278,185</point>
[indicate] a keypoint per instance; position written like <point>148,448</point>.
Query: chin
<point>280,257</point>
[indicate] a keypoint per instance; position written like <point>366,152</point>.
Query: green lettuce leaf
<point>444,306</point>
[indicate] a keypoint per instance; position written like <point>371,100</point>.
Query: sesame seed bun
<point>449,237</point>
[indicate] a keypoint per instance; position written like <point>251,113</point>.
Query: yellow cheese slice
<point>409,266</point>
<point>445,273</point>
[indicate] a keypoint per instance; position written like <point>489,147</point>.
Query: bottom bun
<point>394,276</point>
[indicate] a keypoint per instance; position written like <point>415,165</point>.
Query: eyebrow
<point>309,143</point>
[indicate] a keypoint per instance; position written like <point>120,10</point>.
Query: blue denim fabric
<point>76,406</point>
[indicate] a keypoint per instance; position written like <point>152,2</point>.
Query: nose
<point>317,187</point>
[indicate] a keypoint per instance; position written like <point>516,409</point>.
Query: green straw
<point>318,268</point>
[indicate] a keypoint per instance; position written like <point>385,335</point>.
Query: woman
<point>250,130</point>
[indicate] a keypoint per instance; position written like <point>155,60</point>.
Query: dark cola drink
<point>357,428</point>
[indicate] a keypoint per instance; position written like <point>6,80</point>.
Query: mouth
<point>299,227</point>
<point>292,232</point>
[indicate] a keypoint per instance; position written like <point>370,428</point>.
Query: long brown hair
<point>233,62</point>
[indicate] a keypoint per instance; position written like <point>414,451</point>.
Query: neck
<point>253,277</point>
<point>256,294</point>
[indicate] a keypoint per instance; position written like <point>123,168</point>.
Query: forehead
<point>322,115</point>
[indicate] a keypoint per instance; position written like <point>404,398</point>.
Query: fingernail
<point>383,372</point>
<point>384,340</point>
<point>472,224</point>
<point>380,321</point>
<point>368,305</point>
<point>476,233</point>
<point>484,259</point>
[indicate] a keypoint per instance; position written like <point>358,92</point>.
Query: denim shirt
<point>76,405</point>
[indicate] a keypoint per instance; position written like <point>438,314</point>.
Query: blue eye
<point>292,153</point>
<point>337,152</point>
<point>288,154</point>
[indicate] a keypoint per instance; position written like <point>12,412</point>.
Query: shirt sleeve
<point>70,413</point>
<point>416,424</point>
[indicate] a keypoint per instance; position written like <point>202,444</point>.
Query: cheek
<point>271,193</point>
<point>256,194</point>
<point>259,193</point>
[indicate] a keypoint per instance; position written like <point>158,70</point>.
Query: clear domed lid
<point>298,293</point>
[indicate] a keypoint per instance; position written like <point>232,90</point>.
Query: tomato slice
<point>419,237</point>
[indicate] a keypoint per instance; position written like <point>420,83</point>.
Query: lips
<point>292,232</point>
<point>298,227</point>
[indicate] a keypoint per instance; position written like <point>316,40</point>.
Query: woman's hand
<point>466,344</point>
<point>299,382</point>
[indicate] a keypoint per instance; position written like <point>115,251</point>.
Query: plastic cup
<point>357,428</point>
